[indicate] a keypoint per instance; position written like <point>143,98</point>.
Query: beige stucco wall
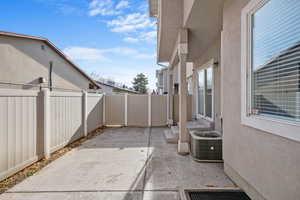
<point>270,164</point>
<point>168,24</point>
<point>212,52</point>
<point>176,108</point>
<point>24,61</point>
<point>187,7</point>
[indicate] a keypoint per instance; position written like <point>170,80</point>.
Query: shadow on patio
<point>122,163</point>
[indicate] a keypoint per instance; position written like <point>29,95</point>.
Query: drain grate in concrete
<point>217,195</point>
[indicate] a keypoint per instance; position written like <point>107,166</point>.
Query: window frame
<point>280,127</point>
<point>204,67</point>
<point>189,81</point>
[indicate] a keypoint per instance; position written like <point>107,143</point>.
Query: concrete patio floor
<point>121,164</point>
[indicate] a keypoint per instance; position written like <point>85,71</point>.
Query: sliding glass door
<point>205,93</point>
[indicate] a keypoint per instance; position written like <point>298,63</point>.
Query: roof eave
<point>153,8</point>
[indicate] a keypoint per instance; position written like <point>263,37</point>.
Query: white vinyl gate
<point>136,110</point>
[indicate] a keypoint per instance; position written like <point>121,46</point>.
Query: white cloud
<point>125,73</point>
<point>130,23</point>
<point>106,7</point>
<point>142,36</point>
<point>148,36</point>
<point>131,39</point>
<point>145,56</point>
<point>120,51</point>
<point>102,7</point>
<point>122,4</point>
<point>137,27</point>
<point>94,54</point>
<point>82,53</point>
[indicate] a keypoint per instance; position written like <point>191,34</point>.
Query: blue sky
<point>114,38</point>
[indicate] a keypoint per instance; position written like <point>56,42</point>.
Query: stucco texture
<point>24,61</point>
<point>269,163</point>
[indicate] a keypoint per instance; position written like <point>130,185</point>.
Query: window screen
<point>190,85</point>
<point>208,93</point>
<point>205,88</point>
<point>201,89</point>
<point>276,60</point>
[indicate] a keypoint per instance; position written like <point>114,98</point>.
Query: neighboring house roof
<point>56,49</point>
<point>119,88</point>
<point>280,55</point>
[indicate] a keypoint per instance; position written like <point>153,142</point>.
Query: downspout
<point>50,75</point>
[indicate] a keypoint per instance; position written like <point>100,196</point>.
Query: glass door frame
<point>204,68</point>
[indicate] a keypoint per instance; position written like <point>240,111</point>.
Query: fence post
<point>149,110</point>
<point>84,113</point>
<point>46,122</point>
<point>103,117</point>
<point>126,109</point>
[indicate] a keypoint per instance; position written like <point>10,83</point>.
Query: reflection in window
<point>201,92</point>
<point>276,60</point>
<point>208,93</point>
<point>205,89</point>
<point>190,85</point>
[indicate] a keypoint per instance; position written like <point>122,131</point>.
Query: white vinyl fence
<point>114,110</point>
<point>35,123</point>
<point>18,130</point>
<point>94,111</point>
<point>65,118</point>
<point>159,110</point>
<point>136,110</point>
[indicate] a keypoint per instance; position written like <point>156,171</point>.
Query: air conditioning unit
<point>206,146</point>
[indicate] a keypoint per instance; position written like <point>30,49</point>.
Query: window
<point>271,65</point>
<point>205,93</point>
<point>201,92</point>
<point>190,85</point>
<point>276,59</point>
<point>208,93</point>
